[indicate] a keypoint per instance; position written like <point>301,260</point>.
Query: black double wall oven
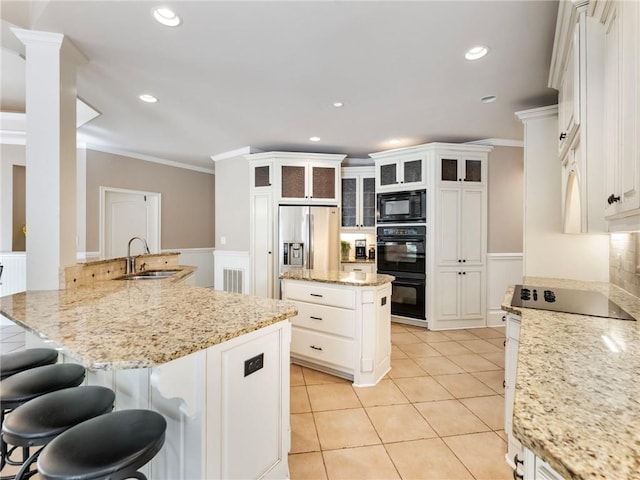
<point>401,253</point>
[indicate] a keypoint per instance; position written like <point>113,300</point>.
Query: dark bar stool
<point>24,386</point>
<point>16,362</point>
<point>42,419</point>
<point>113,446</point>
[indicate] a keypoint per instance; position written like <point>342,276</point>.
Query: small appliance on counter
<point>372,253</point>
<point>361,249</point>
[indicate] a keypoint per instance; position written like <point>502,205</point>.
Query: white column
<point>51,156</point>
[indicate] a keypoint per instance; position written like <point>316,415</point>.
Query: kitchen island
<point>343,326</point>
<point>577,388</point>
<point>214,364</point>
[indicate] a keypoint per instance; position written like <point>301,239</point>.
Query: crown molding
<point>147,158</point>
<point>536,113</point>
<point>238,152</point>
<point>498,142</point>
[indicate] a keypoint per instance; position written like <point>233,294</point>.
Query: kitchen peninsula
<point>215,364</point>
<point>343,326</point>
<point>577,407</point>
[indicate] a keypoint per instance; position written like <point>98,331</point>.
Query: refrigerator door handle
<point>311,253</point>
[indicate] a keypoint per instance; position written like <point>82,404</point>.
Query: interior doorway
<point>126,214</point>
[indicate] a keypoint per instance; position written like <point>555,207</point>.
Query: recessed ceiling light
<point>145,97</point>
<point>476,52</point>
<point>394,141</point>
<point>166,16</point>
<point>338,104</point>
<point>488,99</point>
<point>314,139</point>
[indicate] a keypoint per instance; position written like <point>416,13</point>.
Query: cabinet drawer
<point>312,293</point>
<point>319,346</point>
<point>326,319</point>
<point>358,267</point>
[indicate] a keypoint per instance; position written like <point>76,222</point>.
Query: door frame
<point>102,227</point>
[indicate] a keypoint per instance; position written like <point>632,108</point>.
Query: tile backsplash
<point>624,261</point>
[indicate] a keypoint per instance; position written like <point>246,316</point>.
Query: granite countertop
<point>117,324</point>
<point>338,277</point>
<point>577,396</point>
<point>358,260</point>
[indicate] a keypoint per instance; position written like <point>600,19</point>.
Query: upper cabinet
<point>460,169</point>
<point>397,172</point>
<point>358,198</point>
<point>577,72</point>
<point>622,114</point>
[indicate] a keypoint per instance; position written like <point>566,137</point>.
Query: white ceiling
<point>265,74</point>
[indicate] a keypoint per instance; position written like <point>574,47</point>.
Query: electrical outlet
<point>223,240</point>
<point>253,364</point>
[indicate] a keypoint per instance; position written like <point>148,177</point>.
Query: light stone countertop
<point>116,324</point>
<point>577,401</point>
<point>338,277</point>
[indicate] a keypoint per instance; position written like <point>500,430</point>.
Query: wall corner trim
<point>238,152</point>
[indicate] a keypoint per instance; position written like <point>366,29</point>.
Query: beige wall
<point>187,198</point>
<point>505,199</point>
<point>232,204</point>
<point>10,155</point>
<point>19,208</point>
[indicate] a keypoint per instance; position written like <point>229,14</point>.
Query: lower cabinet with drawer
<point>340,329</point>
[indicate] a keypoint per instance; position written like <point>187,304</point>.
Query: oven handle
<point>413,283</point>
<point>400,239</point>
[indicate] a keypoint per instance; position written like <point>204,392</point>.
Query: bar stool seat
<point>24,386</point>
<point>42,419</point>
<point>114,446</point>
<point>16,362</point>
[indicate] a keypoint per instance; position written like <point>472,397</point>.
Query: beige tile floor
<point>437,415</point>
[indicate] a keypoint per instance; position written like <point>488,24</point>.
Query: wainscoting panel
<point>231,271</point>
<point>503,269</point>
<point>201,258</point>
<point>14,274</point>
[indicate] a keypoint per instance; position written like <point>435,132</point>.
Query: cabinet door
<point>448,296</point>
<point>448,231</point>
<point>412,172</point>
<point>349,202</point>
<point>368,202</point>
<point>449,169</point>
<point>472,170</point>
<point>472,293</point>
<point>262,247</point>
<point>511,361</point>
<point>388,173</point>
<point>472,225</point>
<point>568,92</point>
<point>323,182</point>
<point>294,181</point>
<point>262,176</point>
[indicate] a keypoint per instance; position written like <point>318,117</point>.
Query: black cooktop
<point>582,302</point>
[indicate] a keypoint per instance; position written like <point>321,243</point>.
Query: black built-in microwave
<point>402,207</point>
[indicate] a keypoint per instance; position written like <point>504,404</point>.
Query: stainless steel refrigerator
<point>308,237</point>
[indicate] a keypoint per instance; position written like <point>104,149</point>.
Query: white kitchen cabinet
<point>398,172</point>
<point>577,72</point>
<point>359,267</point>
<point>341,330</point>
<point>460,296</point>
<point>514,447</point>
<point>261,229</point>
<point>462,224</point>
<point>622,115</point>
<point>358,199</point>
<point>461,169</point>
<point>309,181</point>
<point>534,468</point>
<point>569,90</point>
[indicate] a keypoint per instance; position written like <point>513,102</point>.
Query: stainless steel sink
<point>148,275</point>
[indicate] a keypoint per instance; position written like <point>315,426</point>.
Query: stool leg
<point>24,472</point>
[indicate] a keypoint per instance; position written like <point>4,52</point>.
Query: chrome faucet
<point>131,261</point>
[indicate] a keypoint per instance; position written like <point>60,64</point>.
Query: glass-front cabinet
<point>358,198</point>
<point>402,173</point>
<point>460,169</point>
<point>309,181</point>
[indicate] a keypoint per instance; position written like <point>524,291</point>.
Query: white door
<point>127,214</point>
